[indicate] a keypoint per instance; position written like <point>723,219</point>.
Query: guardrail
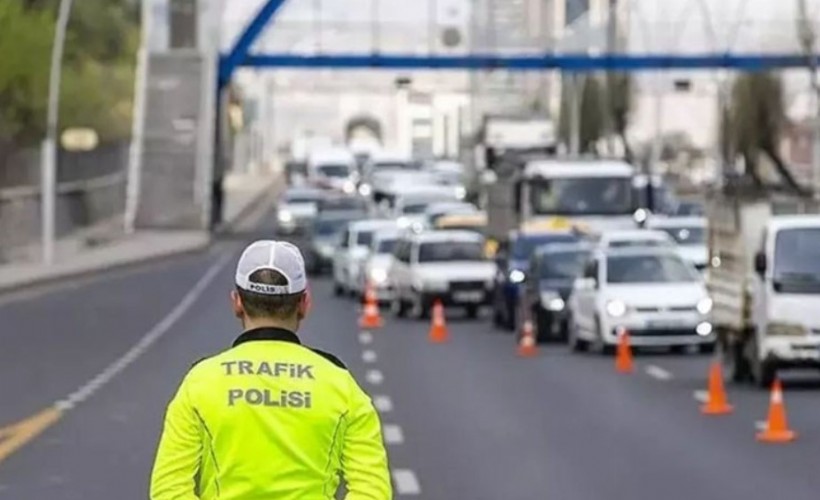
<point>80,204</point>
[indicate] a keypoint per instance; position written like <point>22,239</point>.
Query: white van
<point>333,169</point>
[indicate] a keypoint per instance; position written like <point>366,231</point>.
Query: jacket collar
<point>267,333</point>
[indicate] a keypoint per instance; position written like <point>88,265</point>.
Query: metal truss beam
<point>562,62</point>
<point>236,57</point>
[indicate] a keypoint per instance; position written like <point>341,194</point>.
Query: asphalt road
<point>463,420</point>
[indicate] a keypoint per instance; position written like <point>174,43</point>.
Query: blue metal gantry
<point>240,56</point>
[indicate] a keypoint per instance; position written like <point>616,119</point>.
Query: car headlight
<point>705,305</point>
<point>616,308</point>
<point>704,329</point>
<point>551,301</point>
<point>461,192</point>
<point>517,276</point>
<point>780,328</point>
<point>378,275</point>
<point>403,222</point>
<point>349,187</point>
<point>285,216</point>
<point>365,190</point>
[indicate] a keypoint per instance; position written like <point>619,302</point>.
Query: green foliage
<point>592,114</point>
<point>98,67</point>
<point>619,89</point>
<point>25,49</point>
<point>754,123</point>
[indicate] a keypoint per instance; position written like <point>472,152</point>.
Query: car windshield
<point>342,204</point>
<point>694,235</point>
<point>446,251</point>
<point>629,269</point>
<point>637,242</point>
<point>414,208</point>
<point>689,208</point>
<point>302,198</point>
<point>582,196</point>
<point>334,170</point>
<point>393,165</point>
<point>662,200</point>
<point>797,261</point>
<point>329,227</point>
<point>524,246</point>
<point>563,265</point>
<point>386,246</point>
<point>364,238</point>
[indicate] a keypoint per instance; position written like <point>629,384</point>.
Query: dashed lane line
<point>366,338</point>
<point>406,482</point>
<point>393,434</point>
<point>383,404</point>
<point>369,356</point>
<point>657,372</point>
<point>374,377</point>
<point>700,396</point>
<point>15,436</point>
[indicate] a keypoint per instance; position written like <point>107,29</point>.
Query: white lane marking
<point>701,396</point>
<point>375,377</point>
<point>761,425</point>
<point>657,372</point>
<point>406,482</point>
<point>383,403</point>
<point>393,434</point>
<point>86,390</point>
<point>369,356</point>
<point>366,338</point>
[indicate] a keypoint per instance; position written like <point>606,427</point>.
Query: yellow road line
<point>15,436</point>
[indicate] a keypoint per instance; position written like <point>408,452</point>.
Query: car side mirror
<point>760,264</point>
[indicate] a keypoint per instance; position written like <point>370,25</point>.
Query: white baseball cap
<point>278,256</point>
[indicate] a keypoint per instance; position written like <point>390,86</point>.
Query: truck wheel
<point>543,327</point>
<point>472,311</point>
<point>735,363</point>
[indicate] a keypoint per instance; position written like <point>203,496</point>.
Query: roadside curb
<point>250,207</point>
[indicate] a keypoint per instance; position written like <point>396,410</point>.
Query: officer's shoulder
<point>330,357</point>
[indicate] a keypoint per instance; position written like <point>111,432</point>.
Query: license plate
<point>665,324</point>
<point>468,296</point>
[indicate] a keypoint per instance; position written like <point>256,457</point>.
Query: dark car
<point>323,238</point>
<point>513,259</point>
<point>551,273</point>
<point>343,203</point>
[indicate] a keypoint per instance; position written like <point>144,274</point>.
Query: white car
<point>690,234</point>
<point>378,171</point>
<point>298,208</point>
<point>628,238</point>
<point>333,169</point>
<point>652,293</point>
<point>410,203</point>
<point>440,265</point>
<point>354,245</point>
<point>377,263</point>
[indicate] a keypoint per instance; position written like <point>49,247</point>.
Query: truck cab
<point>765,282</point>
<point>595,194</point>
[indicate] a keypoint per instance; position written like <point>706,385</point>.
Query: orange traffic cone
<point>717,403</point>
<point>438,328</point>
<point>777,428</point>
<point>371,316</point>
<point>623,354</point>
<point>527,347</point>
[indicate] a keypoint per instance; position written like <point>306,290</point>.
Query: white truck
<point>764,280</point>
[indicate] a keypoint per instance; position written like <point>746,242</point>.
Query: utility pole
<point>48,162</point>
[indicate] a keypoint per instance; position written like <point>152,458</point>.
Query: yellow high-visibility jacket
<point>270,419</point>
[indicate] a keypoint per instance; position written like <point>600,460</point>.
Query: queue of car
<point>406,233</point>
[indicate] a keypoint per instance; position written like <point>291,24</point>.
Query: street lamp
<point>48,161</point>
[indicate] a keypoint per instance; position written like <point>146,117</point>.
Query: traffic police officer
<point>270,418</point>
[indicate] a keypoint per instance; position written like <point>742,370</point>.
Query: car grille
<point>661,332</point>
<point>466,286</point>
<point>665,309</point>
